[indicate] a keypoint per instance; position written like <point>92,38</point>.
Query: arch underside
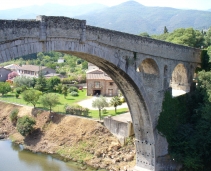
<point>179,79</point>
<point>104,58</point>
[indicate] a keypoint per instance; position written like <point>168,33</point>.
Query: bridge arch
<point>118,54</point>
<point>148,66</point>
<point>179,80</point>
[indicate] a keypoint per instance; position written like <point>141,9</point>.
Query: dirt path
<point>74,138</point>
<point>88,104</point>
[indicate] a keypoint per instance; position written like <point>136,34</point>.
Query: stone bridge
<point>143,69</point>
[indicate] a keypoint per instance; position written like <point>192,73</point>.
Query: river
<point>14,158</point>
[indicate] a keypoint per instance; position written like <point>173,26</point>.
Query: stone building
<point>4,74</point>
<point>34,70</point>
<point>99,83</point>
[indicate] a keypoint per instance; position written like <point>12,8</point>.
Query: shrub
<point>72,88</point>
<point>25,125</point>
<point>18,90</point>
<point>14,115</point>
<point>73,93</point>
<point>76,110</point>
<point>104,111</point>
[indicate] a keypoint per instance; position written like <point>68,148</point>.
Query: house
<point>34,70</point>
<point>4,74</point>
<point>12,67</point>
<point>99,83</point>
<point>61,60</point>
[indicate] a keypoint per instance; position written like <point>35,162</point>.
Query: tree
<point>58,88</point>
<point>23,81</point>
<point>115,101</point>
<point>32,96</point>
<point>100,103</point>
<point>165,30</point>
<point>25,125</point>
<point>41,83</point>
<point>49,100</point>
<point>144,34</point>
<point>12,75</point>
<point>4,88</point>
<point>64,91</point>
<point>52,82</point>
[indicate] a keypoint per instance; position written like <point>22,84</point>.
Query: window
<point>111,83</point>
<point>97,84</point>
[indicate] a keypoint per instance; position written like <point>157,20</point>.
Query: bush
<point>76,110</point>
<point>25,125</point>
<point>104,111</point>
<point>73,93</point>
<point>14,115</point>
<point>72,88</point>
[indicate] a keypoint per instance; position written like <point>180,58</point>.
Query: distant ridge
<point>131,16</point>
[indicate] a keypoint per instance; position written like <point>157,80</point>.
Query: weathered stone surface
<point>141,67</point>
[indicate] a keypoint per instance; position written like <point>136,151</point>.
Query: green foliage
<point>32,96</point>
<point>24,81</point>
<point>72,88</point>
<point>205,60</point>
<point>115,101</point>
<point>58,88</point>
<point>165,30</point>
<point>52,82</point>
<point>185,121</point>
<point>14,115</point>
<point>41,83</point>
<point>4,88</point>
<point>64,90</point>
<point>144,34</point>
<point>74,93</point>
<point>187,37</point>
<point>76,110</point>
<point>18,90</point>
<point>100,103</point>
<point>25,125</point>
<point>49,100</point>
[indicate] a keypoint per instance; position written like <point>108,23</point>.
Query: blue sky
<point>182,4</point>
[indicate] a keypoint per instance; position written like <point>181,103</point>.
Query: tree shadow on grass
<point>69,98</point>
<point>7,96</point>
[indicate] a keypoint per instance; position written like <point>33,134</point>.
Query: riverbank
<point>78,139</point>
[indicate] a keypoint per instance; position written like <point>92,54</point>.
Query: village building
<point>99,83</point>
<point>4,74</point>
<point>60,60</point>
<point>34,70</point>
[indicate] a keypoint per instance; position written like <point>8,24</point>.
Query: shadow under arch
<point>179,79</point>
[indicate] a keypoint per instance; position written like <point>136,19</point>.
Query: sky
<point>182,4</point>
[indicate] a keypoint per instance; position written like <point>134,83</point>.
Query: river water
<point>14,158</point>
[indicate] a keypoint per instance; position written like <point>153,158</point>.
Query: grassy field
<point>69,100</point>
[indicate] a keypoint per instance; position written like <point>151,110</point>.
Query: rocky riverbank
<point>74,138</point>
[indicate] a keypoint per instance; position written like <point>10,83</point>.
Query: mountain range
<point>131,16</point>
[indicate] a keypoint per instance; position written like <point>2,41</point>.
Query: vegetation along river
<point>15,158</point>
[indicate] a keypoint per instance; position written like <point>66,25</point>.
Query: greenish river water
<point>14,158</point>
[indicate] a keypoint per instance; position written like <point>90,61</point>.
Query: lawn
<point>70,100</point>
<point>95,113</point>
